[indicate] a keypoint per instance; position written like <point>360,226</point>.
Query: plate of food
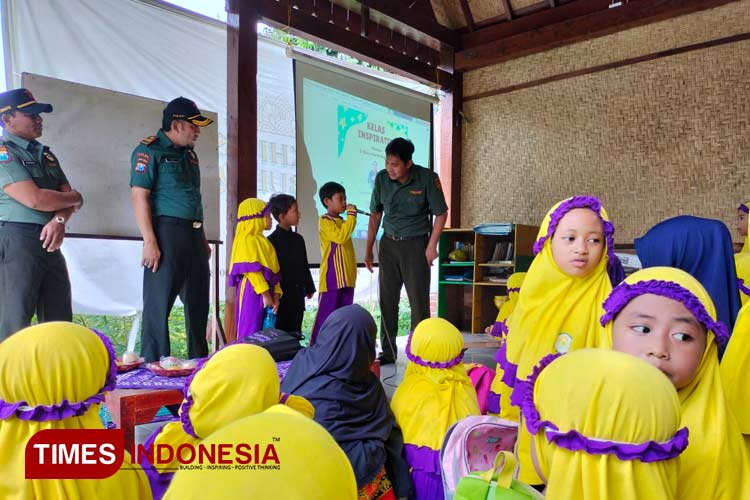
<point>169,366</point>
<point>128,361</point>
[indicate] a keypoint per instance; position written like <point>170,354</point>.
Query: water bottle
<point>269,318</point>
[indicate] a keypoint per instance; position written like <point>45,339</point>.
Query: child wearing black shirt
<point>296,279</point>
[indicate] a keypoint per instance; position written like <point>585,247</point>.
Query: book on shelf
<point>509,251</point>
<point>497,279</point>
<point>468,276</point>
<point>496,252</point>
<point>502,252</point>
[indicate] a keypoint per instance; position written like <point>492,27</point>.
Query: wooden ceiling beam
<point>418,16</point>
<point>532,21</point>
<point>467,14</point>
<point>340,30</point>
<point>629,15</point>
<point>508,10</point>
<point>533,8</point>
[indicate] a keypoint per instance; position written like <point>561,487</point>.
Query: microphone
<point>362,212</point>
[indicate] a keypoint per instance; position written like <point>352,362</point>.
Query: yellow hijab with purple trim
<point>515,281</point>
<point>745,244</point>
<point>49,364</point>
<point>742,267</point>
<point>715,464</point>
<point>311,465</point>
<point>555,312</point>
<point>237,381</point>
<point>734,368</point>
<point>250,246</point>
<point>436,391</point>
<point>606,427</point>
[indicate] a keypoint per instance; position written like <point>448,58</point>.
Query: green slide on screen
<point>345,137</point>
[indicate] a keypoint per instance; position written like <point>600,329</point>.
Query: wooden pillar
<point>242,124</point>
<point>450,149</point>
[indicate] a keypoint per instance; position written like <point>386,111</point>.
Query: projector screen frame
<point>304,163</point>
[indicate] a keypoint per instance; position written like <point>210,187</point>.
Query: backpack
<point>497,483</point>
<point>481,378</point>
<point>282,345</point>
<point>472,444</point>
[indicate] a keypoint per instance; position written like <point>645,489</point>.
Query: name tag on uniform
<point>416,192</point>
<point>29,162</point>
<point>171,160</point>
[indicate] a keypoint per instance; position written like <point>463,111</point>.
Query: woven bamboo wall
<point>653,140</point>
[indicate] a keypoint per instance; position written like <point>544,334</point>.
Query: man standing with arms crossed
<point>408,195</point>
<point>166,198</point>
<point>35,203</point>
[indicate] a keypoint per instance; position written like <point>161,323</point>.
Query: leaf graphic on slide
<point>400,129</point>
<point>347,118</point>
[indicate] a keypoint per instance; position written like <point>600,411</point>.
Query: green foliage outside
<point>283,36</point>
<point>118,328</point>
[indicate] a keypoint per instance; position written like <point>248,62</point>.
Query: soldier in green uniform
<point>35,203</point>
<point>405,196</point>
<point>166,198</point>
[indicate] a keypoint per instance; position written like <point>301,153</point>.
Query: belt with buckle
<point>195,224</point>
<point>403,238</point>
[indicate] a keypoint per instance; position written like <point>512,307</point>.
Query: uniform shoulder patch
<point>4,153</point>
<point>149,140</point>
<point>141,163</point>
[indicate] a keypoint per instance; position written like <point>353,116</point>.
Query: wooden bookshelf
<point>469,303</point>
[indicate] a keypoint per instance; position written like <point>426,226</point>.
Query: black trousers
<point>183,270</point>
<point>291,308</point>
<point>402,263</point>
<point>32,280</point>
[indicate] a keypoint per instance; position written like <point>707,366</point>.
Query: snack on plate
<point>170,363</point>
<point>188,364</point>
<point>130,357</point>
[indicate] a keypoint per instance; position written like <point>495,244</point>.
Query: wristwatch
<point>60,219</point>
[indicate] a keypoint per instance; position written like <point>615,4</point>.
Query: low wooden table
<point>480,341</point>
<point>131,407</point>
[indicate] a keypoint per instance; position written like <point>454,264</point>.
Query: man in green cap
<point>405,196</point>
<point>166,198</point>
<point>35,203</point>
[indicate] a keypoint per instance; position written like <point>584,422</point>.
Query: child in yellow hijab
<point>734,368</point>
<point>237,381</point>
<point>54,376</point>
<point>665,316</point>
<point>435,394</point>
<point>742,265</point>
<point>605,425</point>
<point>743,222</point>
<point>500,327</point>
<point>559,304</point>
<point>311,464</point>
<point>254,269</point>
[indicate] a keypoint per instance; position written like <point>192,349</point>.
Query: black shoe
<point>385,359</point>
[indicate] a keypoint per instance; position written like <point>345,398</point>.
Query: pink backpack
<point>472,444</point>
<point>481,378</point>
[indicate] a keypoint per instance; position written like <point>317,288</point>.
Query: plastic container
<point>269,318</point>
